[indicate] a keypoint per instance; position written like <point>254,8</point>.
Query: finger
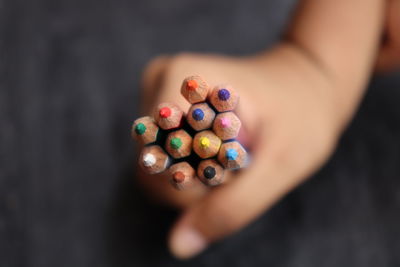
<point>229,208</point>
<point>152,80</point>
<point>158,187</point>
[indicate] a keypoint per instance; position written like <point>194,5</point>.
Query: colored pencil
<point>224,98</point>
<point>206,144</point>
<point>183,176</point>
<point>153,159</point>
<point>179,144</point>
<point>200,116</point>
<point>145,130</point>
<point>227,125</point>
<point>195,89</point>
<point>168,116</point>
<point>212,122</point>
<point>210,172</point>
<point>232,155</point>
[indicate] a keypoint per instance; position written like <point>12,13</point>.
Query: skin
<point>389,54</point>
<point>296,100</point>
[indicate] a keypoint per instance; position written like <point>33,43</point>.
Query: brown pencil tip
<point>178,177</point>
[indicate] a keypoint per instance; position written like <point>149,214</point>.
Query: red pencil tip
<point>191,85</point>
<point>165,112</point>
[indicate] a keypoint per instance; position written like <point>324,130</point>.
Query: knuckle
<point>180,66</point>
<point>181,61</point>
<point>153,65</point>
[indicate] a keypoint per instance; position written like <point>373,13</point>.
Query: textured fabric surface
<point>69,90</point>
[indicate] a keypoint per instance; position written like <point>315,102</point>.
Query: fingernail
<point>186,242</point>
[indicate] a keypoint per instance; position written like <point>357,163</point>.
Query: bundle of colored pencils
<point>199,145</point>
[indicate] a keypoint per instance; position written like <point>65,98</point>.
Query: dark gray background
<point>69,84</point>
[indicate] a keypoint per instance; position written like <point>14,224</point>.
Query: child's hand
<point>292,127</point>
<point>295,102</point>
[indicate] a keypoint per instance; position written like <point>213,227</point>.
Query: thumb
<point>230,207</point>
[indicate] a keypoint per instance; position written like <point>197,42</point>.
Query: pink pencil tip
<point>225,122</point>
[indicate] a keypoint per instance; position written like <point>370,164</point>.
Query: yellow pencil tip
<point>204,142</point>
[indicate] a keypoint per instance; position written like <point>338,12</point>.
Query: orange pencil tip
<point>191,85</point>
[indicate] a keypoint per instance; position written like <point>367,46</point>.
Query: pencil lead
<point>231,154</point>
<point>225,122</point>
<point>223,94</point>
<point>140,128</point>
<point>176,143</point>
<point>198,114</point>
<point>204,142</point>
<point>178,177</point>
<point>191,85</point>
<point>149,160</point>
<point>165,112</point>
<point>209,172</point>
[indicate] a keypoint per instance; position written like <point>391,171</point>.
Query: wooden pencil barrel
<point>168,116</point>
<point>183,176</point>
<point>145,130</point>
<point>232,155</point>
<point>227,125</point>
<point>179,144</point>
<point>154,159</point>
<point>210,172</point>
<point>206,144</point>
<point>200,116</point>
<point>195,89</point>
<point>224,98</point>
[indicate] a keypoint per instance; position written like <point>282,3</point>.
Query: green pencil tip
<point>176,143</point>
<point>140,128</point>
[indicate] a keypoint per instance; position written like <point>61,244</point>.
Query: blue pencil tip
<point>224,94</point>
<point>231,154</point>
<point>198,114</point>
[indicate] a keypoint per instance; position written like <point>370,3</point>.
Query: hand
<point>295,102</point>
<point>292,124</point>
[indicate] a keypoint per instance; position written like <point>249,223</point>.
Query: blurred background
<point>70,89</point>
